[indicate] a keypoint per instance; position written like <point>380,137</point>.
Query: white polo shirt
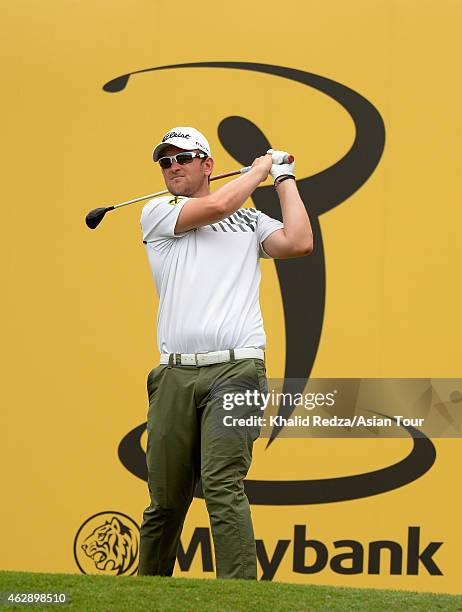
<point>207,278</point>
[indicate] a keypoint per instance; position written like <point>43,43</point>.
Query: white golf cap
<point>184,138</point>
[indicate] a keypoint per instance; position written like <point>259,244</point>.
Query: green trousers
<point>190,438</point>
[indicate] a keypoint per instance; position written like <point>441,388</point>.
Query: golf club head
<point>94,217</point>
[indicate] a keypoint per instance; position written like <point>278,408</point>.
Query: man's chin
<point>178,191</point>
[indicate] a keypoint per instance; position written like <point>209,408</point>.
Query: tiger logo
<point>107,543</point>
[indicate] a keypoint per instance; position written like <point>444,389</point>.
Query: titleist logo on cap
<point>175,135</point>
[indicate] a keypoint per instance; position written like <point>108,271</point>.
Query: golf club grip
<point>288,158</point>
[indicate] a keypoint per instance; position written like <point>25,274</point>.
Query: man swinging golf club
<point>204,249</point>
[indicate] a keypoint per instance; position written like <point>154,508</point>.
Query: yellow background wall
<point>79,307</point>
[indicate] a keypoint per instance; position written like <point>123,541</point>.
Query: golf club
<point>95,216</point>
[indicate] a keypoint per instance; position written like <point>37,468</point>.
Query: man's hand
<point>263,165</point>
<point>278,170</point>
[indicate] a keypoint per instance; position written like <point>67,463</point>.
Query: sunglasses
<point>180,158</point>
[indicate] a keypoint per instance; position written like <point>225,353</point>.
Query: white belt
<point>210,357</point>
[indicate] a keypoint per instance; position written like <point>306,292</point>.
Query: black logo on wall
<point>107,543</point>
<point>244,141</point>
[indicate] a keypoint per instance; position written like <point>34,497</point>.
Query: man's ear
<point>208,166</point>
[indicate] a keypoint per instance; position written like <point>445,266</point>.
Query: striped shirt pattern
<point>240,221</point>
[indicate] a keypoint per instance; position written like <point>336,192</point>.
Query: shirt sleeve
<point>265,226</point>
<point>159,217</point>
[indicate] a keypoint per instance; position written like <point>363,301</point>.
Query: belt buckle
<point>205,358</point>
<point>200,358</point>
<point>220,357</point>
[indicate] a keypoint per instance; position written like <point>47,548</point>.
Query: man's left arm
<point>295,239</point>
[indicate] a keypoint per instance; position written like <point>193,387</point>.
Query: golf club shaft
<point>287,159</point>
<point>159,193</point>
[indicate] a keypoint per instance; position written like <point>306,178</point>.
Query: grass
<point>152,594</point>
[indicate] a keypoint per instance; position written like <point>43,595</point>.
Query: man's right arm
<point>225,200</point>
